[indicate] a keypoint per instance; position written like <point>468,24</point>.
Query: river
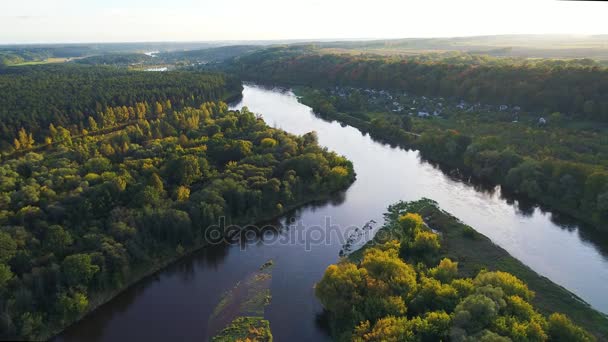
<point>176,303</point>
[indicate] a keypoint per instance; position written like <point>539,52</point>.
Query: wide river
<point>177,303</point>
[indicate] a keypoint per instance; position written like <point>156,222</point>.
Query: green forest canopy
<point>34,97</point>
<point>396,289</point>
<point>88,215</point>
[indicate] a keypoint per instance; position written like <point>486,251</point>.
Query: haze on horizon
<point>74,21</point>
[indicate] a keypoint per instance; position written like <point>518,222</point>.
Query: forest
<point>406,285</point>
<point>85,216</point>
<point>573,87</point>
<point>81,98</point>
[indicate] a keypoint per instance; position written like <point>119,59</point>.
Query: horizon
<point>114,21</point>
<point>312,40</point>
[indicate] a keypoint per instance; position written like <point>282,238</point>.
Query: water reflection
<point>525,207</point>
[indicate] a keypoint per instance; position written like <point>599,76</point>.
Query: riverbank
<point>475,252</point>
<point>434,150</point>
<point>143,272</point>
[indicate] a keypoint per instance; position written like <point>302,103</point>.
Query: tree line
<point>578,87</point>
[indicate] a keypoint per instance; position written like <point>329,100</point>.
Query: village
<point>404,103</point>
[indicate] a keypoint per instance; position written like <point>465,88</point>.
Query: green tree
<point>5,276</point>
<point>78,269</point>
<point>562,329</point>
<point>70,306</point>
<point>184,170</point>
<point>341,287</point>
<point>8,247</point>
<point>446,271</point>
<point>57,239</point>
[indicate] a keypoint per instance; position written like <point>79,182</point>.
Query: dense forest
<point>32,98</point>
<point>401,287</point>
<point>206,55</point>
<point>563,167</point>
<point>118,59</point>
<point>185,60</point>
<point>41,53</point>
<point>578,88</point>
<point>86,216</point>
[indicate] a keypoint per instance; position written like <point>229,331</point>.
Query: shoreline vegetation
<point>92,215</point>
<point>143,274</point>
<point>423,236</point>
<point>433,143</point>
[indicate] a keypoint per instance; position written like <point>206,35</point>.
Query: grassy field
<point>46,61</point>
<point>474,252</point>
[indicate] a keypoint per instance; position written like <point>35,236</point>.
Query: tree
<point>411,222</point>
<point>182,193</point>
<point>25,140</point>
<point>156,182</point>
<point>562,329</point>
<point>387,267</point>
<point>92,124</point>
<point>340,288</point>
<point>57,239</point>
<point>8,247</point>
<point>268,143</point>
<point>446,271</point>
<point>184,170</point>
<point>425,243</point>
<point>475,312</point>
<point>70,306</point>
<point>5,276</point>
<point>510,284</point>
<point>158,108</point>
<point>78,269</point>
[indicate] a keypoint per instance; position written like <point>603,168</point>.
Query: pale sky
<point>52,21</point>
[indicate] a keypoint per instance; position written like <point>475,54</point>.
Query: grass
<point>250,328</point>
<point>46,61</point>
<point>474,251</point>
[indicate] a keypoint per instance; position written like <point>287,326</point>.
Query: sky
<point>70,21</point>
